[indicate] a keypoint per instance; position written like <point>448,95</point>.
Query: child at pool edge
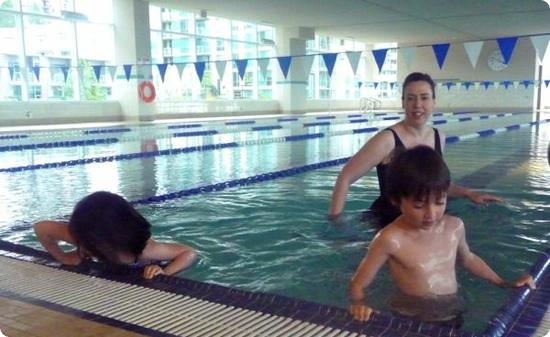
<point>422,246</point>
<point>106,226</point>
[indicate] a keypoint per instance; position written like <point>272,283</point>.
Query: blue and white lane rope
<point>57,144</point>
<point>301,169</point>
<point>136,155</point>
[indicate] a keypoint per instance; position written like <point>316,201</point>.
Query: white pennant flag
<point>180,67</point>
<point>476,85</point>
<point>307,62</point>
<point>496,84</point>
<point>408,55</point>
<point>112,72</point>
<point>52,72</point>
<point>473,49</point>
<point>220,68</point>
<point>353,58</point>
<point>263,64</point>
<point>458,85</point>
<point>516,84</point>
<point>540,43</point>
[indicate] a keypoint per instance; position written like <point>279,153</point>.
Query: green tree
<point>7,20</point>
<point>90,89</point>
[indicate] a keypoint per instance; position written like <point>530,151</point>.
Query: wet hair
<point>105,225</point>
<point>417,172</point>
<point>417,77</point>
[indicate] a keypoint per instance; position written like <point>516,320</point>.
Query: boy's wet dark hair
<point>105,225</point>
<point>417,172</point>
<point>416,77</point>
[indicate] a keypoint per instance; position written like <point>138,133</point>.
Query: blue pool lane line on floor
<point>449,140</point>
<point>292,171</point>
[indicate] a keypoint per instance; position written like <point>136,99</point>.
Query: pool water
<point>273,236</point>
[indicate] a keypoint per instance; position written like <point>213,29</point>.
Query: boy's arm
<point>49,233</point>
<point>377,255</point>
<point>180,257</point>
<point>475,265</point>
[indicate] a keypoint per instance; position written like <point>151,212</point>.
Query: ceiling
<point>407,22</point>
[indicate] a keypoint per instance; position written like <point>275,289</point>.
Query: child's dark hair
<point>417,172</point>
<point>416,77</point>
<point>105,225</point>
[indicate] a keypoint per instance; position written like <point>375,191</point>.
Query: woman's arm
<point>49,233</point>
<point>179,255</point>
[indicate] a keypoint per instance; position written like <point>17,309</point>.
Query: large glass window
<point>185,38</point>
<point>63,39</point>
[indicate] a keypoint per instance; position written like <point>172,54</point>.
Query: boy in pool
<point>105,226</point>
<point>422,246</point>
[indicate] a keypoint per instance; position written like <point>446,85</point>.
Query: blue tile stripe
<point>315,124</point>
<point>100,131</point>
<point>240,122</point>
<point>525,309</point>
<point>57,144</point>
<point>6,137</point>
<point>185,126</point>
<point>380,324</point>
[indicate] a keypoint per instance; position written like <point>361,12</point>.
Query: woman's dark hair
<point>105,225</point>
<point>416,77</point>
<point>417,172</point>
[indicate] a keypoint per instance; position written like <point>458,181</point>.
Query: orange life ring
<point>146,91</point>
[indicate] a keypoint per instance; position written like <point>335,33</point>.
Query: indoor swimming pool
<point>253,202</point>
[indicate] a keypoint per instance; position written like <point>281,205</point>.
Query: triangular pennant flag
<point>36,71</point>
<point>408,55</point>
<point>375,84</point>
<point>263,63</point>
<point>546,82</point>
<point>516,84</point>
<point>506,45</point>
<point>97,71</point>
<point>199,68</point>
<point>162,70</point>
<point>284,63</point>
<point>330,60</point>
<point>458,85</point>
<point>473,49</point>
<point>540,42</point>
<point>486,84</point>
<point>476,85</point>
<point>448,85</point>
<point>440,51</point>
<point>439,86</point>
<point>392,84</point>
<point>307,62</point>
<point>241,67</point>
<point>496,84</point>
<point>506,84</point>
<point>220,68</point>
<point>467,85</point>
<point>380,57</point>
<point>112,72</point>
<point>526,83</point>
<point>353,58</point>
<point>127,71</point>
<point>11,70</point>
<point>359,84</point>
<point>180,67</point>
<point>65,71</point>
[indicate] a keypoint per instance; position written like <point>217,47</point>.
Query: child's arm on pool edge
<point>179,255</point>
<point>49,233</point>
<point>376,256</point>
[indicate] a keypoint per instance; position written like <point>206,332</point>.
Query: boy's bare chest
<point>427,253</point>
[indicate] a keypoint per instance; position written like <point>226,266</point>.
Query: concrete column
<point>292,91</point>
<point>132,46</point>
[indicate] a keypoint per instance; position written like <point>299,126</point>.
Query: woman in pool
<point>418,101</point>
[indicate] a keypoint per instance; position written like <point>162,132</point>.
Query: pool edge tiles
<point>301,313</point>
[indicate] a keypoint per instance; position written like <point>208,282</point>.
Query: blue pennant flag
<point>36,71</point>
<point>506,84</point>
<point>467,85</point>
<point>97,71</point>
<point>448,85</point>
<point>241,67</point>
<point>507,45</point>
<point>392,84</point>
<point>546,82</point>
<point>65,71</point>
<point>375,84</point>
<point>359,84</point>
<point>284,63</point>
<point>127,71</point>
<point>11,70</point>
<point>486,84</point>
<point>330,60</point>
<point>526,83</point>
<point>380,57</point>
<point>440,51</point>
<point>162,70</point>
<point>199,68</point>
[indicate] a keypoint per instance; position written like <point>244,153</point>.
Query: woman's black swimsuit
<point>382,211</point>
